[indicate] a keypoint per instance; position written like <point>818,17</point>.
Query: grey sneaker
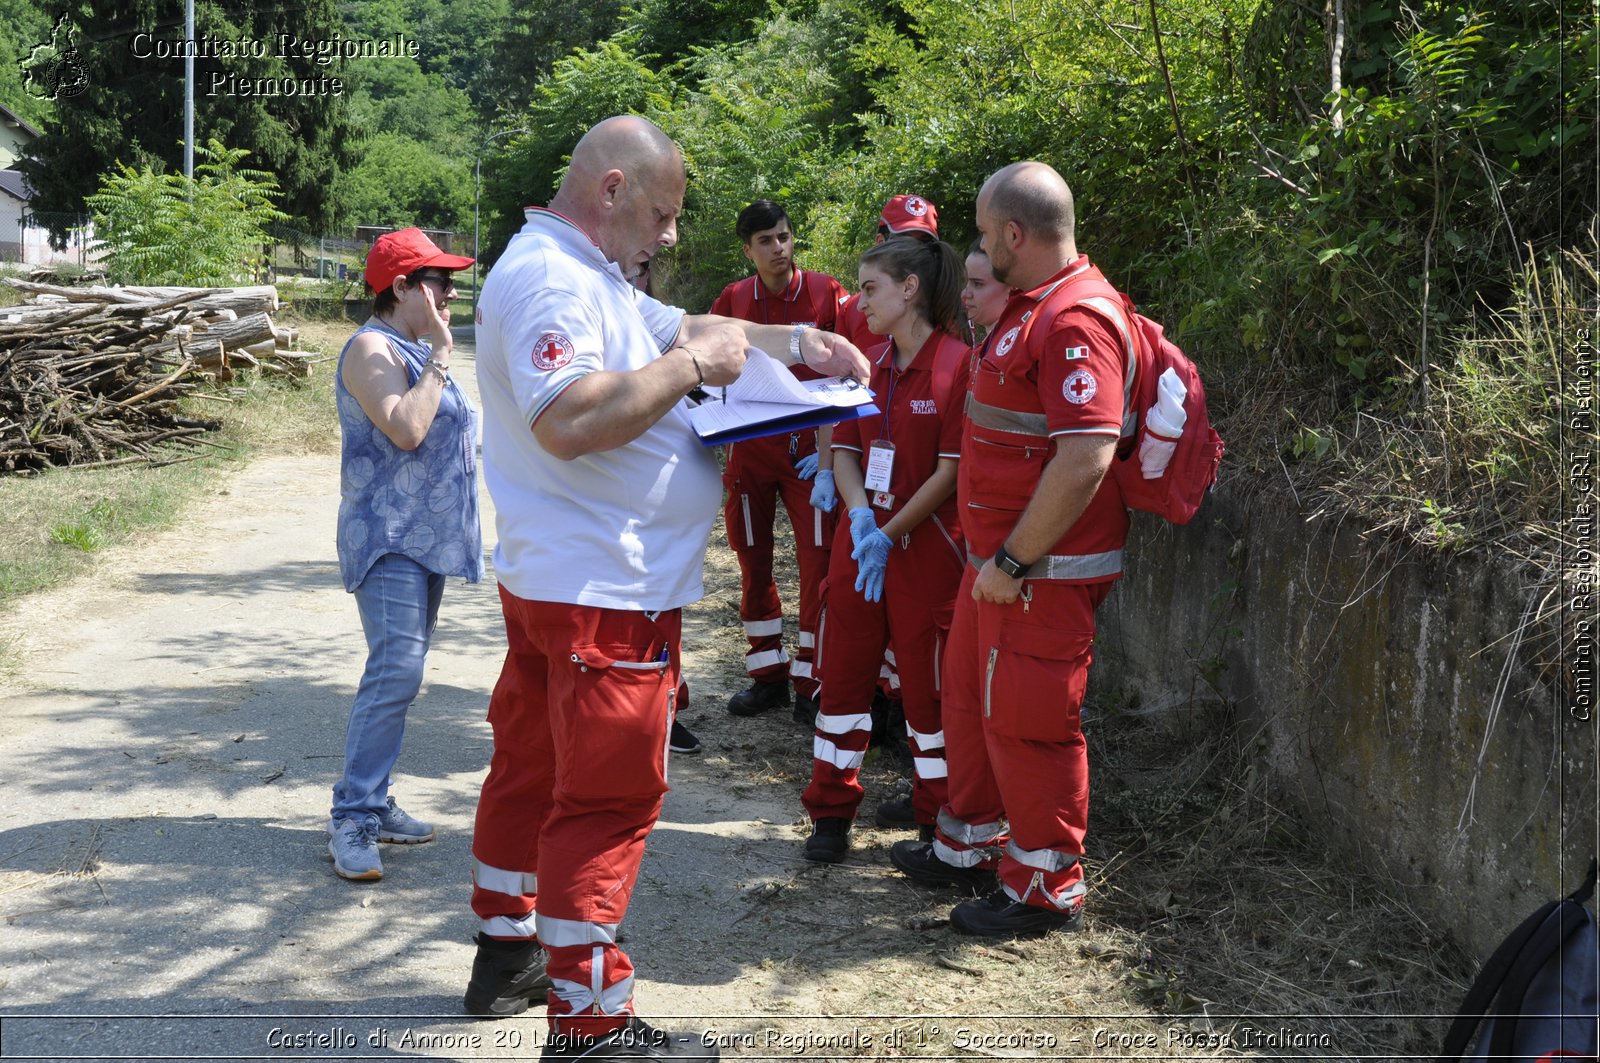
<point>354,845</point>
<point>396,825</point>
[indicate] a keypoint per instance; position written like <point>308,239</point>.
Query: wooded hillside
<point>1346,210</point>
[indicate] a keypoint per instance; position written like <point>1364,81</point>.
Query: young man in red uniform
<point>1045,527</point>
<point>762,470</point>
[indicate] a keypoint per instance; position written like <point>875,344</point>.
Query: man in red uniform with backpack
<point>1045,526</point>
<point>761,471</point>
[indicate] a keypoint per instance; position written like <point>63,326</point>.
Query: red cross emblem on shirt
<point>552,351</point>
<point>1079,387</point>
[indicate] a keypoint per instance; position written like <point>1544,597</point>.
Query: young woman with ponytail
<point>896,575</point>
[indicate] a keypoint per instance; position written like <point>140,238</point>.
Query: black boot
<point>507,976</point>
<point>998,916</point>
<point>759,698</point>
<point>919,863</point>
<point>897,814</point>
<point>829,841</point>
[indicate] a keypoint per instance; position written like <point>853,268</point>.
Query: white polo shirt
<point>620,529</point>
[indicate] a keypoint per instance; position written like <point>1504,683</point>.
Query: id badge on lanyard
<point>880,467</point>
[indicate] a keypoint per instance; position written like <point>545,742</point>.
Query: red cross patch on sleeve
<point>552,351</point>
<point>1079,387</point>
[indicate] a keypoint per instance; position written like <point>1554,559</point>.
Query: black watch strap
<point>1010,565</point>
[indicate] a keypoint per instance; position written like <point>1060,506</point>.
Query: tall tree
<point>282,104</point>
<point>535,37</point>
<point>24,25</point>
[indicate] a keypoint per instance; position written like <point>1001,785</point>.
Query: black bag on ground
<point>1543,983</point>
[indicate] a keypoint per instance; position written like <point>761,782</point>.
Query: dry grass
<point>1235,906</point>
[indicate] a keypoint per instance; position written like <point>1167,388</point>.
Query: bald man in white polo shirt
<point>604,501</point>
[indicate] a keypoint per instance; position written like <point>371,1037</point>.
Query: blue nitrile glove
<point>872,558</point>
<point>807,466</point>
<point>862,524</point>
<point>823,495</point>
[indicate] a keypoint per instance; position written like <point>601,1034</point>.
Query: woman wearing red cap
<point>408,518</point>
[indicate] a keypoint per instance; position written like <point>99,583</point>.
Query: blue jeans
<point>399,604</point>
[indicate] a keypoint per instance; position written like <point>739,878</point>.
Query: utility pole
<point>188,91</point>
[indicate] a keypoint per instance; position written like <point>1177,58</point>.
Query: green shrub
<point>161,228</point>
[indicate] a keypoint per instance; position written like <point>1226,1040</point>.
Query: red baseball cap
<point>403,252</point>
<point>905,214</point>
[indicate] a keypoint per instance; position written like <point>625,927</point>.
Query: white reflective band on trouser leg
<point>583,1000</point>
<point>564,933</point>
<point>503,926</point>
<point>808,639</point>
<point>1066,899</point>
<point>828,753</point>
<point>764,659</point>
<point>894,679</point>
<point>843,725</point>
<point>764,627</point>
<point>927,743</point>
<point>958,857</point>
<point>931,767</point>
<point>888,655</point>
<point>499,880</point>
<point>968,833</point>
<point>800,669</point>
<point>1042,859</point>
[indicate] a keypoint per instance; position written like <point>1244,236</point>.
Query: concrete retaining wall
<point>1371,674</point>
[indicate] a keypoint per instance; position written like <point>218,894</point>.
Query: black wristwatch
<point>1010,565</point>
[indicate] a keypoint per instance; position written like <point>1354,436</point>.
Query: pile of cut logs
<point>92,376</point>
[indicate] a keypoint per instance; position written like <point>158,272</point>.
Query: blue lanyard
<point>888,401</point>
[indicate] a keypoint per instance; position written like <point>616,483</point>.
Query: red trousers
<point>919,582</point>
<point>581,716</point>
<point>1014,680</point>
<point>758,473</point>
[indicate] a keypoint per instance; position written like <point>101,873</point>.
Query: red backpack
<point>1191,472</point>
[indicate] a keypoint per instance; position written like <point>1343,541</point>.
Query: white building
<point>15,134</point>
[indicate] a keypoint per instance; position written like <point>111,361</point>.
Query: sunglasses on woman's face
<point>446,282</point>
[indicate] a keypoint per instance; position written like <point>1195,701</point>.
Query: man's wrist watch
<point>794,344</point>
<point>1010,565</point>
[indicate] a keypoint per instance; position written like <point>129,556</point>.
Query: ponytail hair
<point>940,271</point>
